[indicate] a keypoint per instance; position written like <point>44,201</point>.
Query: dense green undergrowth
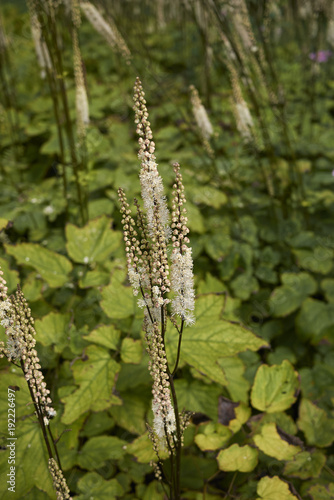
<point>257,367</point>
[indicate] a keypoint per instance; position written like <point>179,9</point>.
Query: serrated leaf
<point>241,458</point>
<point>295,289</point>
<point>94,278</point>
<point>53,329</point>
<point>32,288</point>
<point>317,427</point>
<point>11,276</point>
<point>306,465</point>
<point>327,286</point>
<point>272,443</point>
<point>53,267</point>
<point>217,245</point>
<point>244,285</point>
<point>198,397</point>
<point>273,488</point>
<point>96,377</point>
<point>212,436</point>
<point>93,242</point>
<point>275,387</point>
<point>131,414</point>
<point>208,196</point>
<point>106,336</point>
<point>314,318</point>
<point>97,450</point>
<point>237,385</point>
<point>30,449</point>
<point>142,449</point>
<point>211,338</point>
<point>317,260</point>
<point>131,350</point>
<point>118,301</point>
<point>92,485</point>
<point>320,492</point>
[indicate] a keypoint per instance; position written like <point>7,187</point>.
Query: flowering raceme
<point>159,265</point>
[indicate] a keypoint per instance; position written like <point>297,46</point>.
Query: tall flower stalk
<point>163,280</point>
<point>15,317</point>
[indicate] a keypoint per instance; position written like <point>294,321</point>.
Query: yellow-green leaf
<point>212,436</point>
<point>273,488</point>
<point>316,425</point>
<point>131,350</point>
<point>211,338</point>
<point>241,458</point>
<point>118,301</point>
<point>53,329</point>
<point>93,242</point>
<point>106,336</point>
<point>306,465</point>
<point>275,387</point>
<point>53,267</point>
<point>275,444</point>
<point>95,374</point>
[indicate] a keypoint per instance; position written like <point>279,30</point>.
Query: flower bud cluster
<point>106,29</point>
<point>81,99</point>
<point>163,411</point>
<point>200,114</point>
<point>182,281</point>
<point>18,323</point>
<point>59,482</point>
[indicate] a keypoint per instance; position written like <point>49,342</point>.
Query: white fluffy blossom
<point>244,120</point>
<point>183,286</point>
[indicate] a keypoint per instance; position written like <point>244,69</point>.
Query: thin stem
<point>178,349</point>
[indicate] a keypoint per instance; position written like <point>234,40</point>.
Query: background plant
<point>260,211</point>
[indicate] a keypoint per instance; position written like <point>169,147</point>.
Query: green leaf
<point>32,287</point>
<point>53,267</point>
<point>198,397</point>
<point>244,285</point>
<point>30,450</point>
<point>273,488</point>
<point>208,196</point>
<point>95,375</point>
<point>212,436</point>
<point>218,245</point>
<point>237,385</point>
<point>11,277</point>
<point>131,414</point>
<point>53,329</point>
<point>211,338</point>
<point>296,288</point>
<point>241,458</point>
<point>317,427</point>
<point>92,485</point>
<point>319,492</point>
<point>327,286</point>
<point>142,449</point>
<point>93,242</point>
<point>106,336</point>
<point>317,260</point>
<point>118,301</point>
<point>275,387</point>
<point>97,450</point>
<point>274,443</point>
<point>131,350</point>
<point>94,278</point>
<point>306,465</point>
<point>314,318</point>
